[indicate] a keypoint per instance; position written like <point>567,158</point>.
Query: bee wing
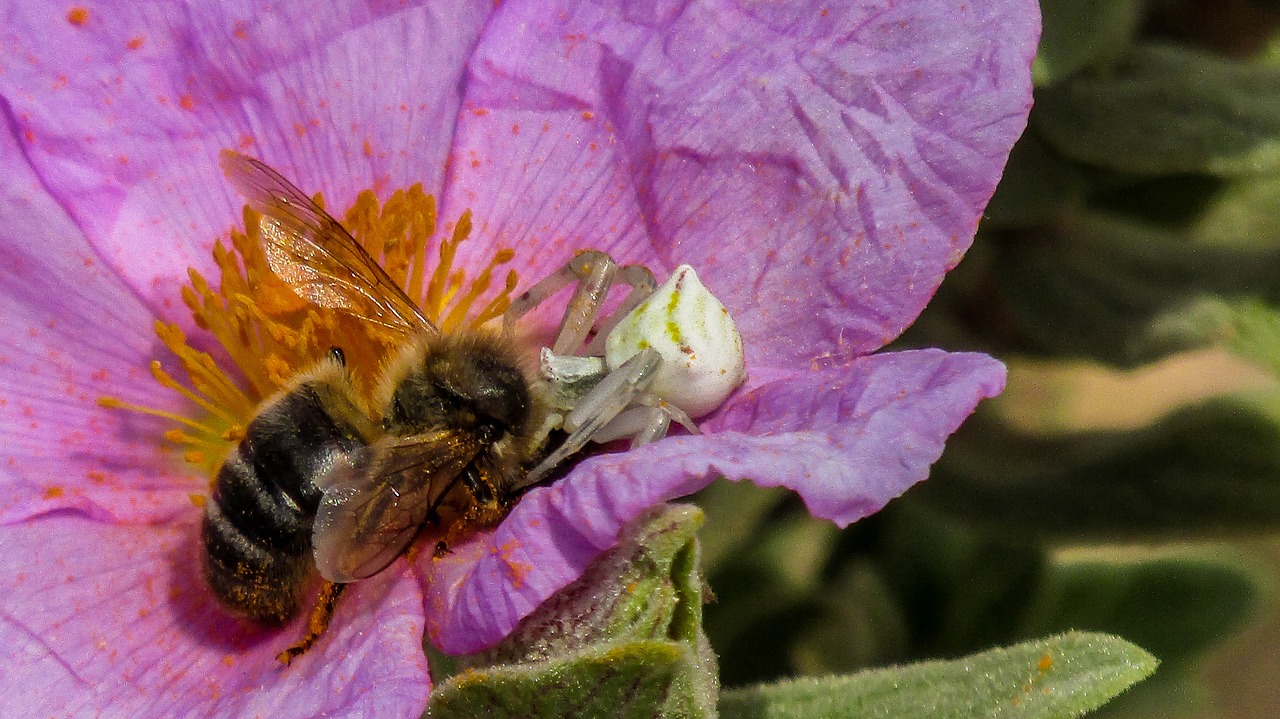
<point>375,501</point>
<point>312,253</point>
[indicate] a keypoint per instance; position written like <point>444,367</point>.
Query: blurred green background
<point>1128,481</point>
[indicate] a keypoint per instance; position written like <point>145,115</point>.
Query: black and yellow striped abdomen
<point>257,524</point>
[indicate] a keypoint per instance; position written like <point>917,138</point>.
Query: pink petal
<point>124,115</point>
<point>847,439</point>
<point>104,620</point>
<point>821,167</point>
<point>73,332</point>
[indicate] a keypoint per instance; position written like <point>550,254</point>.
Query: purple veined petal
<point>821,167</point>
<point>72,332</point>
<point>125,129</point>
<point>847,439</point>
<point>114,621</point>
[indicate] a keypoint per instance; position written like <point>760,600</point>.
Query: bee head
<point>471,384</point>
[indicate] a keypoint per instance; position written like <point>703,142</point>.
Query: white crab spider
<point>666,353</point>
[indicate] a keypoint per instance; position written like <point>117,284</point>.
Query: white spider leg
<point>580,314</point>
<point>568,273</point>
<point>652,400</point>
<point>654,430</point>
<point>646,420</point>
<point>642,284</point>
<point>605,401</point>
<point>593,271</point>
<point>643,424</point>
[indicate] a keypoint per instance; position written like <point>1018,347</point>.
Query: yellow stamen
<point>440,281</point>
<point>204,373</point>
<point>478,287</point>
<point>114,403</point>
<point>422,226</point>
<point>177,436</point>
<point>500,303</point>
<point>270,334</point>
<point>169,382</point>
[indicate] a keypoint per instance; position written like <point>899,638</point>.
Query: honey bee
<point>316,483</point>
<point>321,481</point>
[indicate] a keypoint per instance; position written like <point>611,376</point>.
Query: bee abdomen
<point>257,524</point>
<point>252,580</point>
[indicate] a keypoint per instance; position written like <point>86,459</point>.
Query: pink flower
<point>821,167</point>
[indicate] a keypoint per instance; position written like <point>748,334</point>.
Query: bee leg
<point>317,624</point>
<point>486,509</point>
<point>478,514</point>
<point>477,485</point>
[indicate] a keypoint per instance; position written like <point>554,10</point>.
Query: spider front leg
<point>595,273</point>
<point>645,421</point>
<point>612,393</point>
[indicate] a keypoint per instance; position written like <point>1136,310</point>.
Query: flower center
<point>270,334</point>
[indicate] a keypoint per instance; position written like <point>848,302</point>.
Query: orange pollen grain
<point>269,333</point>
<point>78,16</point>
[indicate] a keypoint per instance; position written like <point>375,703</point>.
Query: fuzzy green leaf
<point>1082,33</point>
<point>624,640</point>
<point>639,679</point>
<point>1249,328</point>
<point>1093,286</point>
<point>1059,677</point>
<point>1210,469</point>
<point>1241,214</point>
<point>1037,185</point>
<point>1178,603</point>
<point>1168,110</point>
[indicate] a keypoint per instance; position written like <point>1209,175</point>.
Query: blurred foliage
<point>1138,221</point>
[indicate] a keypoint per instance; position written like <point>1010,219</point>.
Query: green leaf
<point>1175,602</point>
<point>734,511</point>
<point>1168,110</point>
<point>624,640</point>
<point>638,679</point>
<point>1063,676</point>
<point>1037,185</point>
<point>646,588</point>
<point>1210,469</point>
<point>1082,33</point>
<point>859,623</point>
<point>1248,328</point>
<point>767,590</point>
<point>1092,286</point>
<point>1242,214</point>
<point>962,585</point>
